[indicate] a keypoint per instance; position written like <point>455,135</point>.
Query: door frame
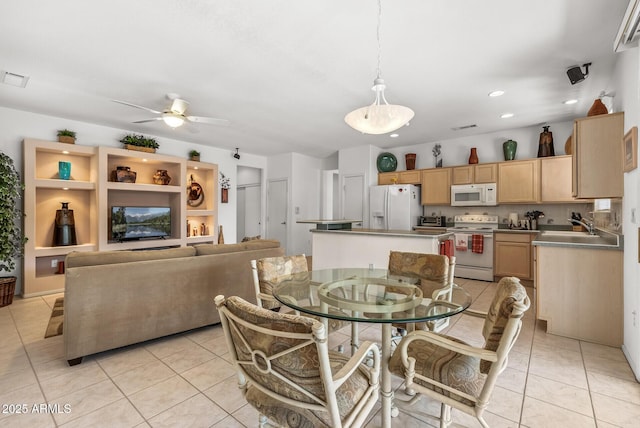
<point>365,196</point>
<point>287,214</point>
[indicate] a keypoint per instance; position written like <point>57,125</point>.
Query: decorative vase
<point>509,148</point>
<point>473,157</point>
<point>567,145</point>
<point>410,160</point>
<point>195,158</point>
<point>224,196</point>
<point>64,170</point>
<point>123,174</point>
<point>438,161</point>
<point>597,108</point>
<point>220,235</point>
<point>161,177</point>
<point>64,231</point>
<point>545,147</point>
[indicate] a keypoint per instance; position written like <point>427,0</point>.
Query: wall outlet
<point>54,263</point>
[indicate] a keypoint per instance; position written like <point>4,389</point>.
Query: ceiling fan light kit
<point>174,116</point>
<point>379,117</point>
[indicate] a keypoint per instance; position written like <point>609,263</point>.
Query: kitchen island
<point>370,247</point>
<point>579,285</point>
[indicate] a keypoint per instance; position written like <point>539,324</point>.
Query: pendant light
<point>379,117</point>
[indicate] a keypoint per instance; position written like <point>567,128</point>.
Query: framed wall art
<point>630,150</point>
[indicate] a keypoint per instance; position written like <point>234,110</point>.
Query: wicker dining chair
<point>436,281</point>
<point>456,374</point>
<point>269,272</point>
<point>287,373</point>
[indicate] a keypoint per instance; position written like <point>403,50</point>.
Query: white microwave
<point>468,195</point>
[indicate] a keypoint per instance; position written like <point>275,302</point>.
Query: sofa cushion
<point>258,244</point>
<point>94,258</point>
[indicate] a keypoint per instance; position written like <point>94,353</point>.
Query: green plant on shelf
<point>140,141</point>
<point>66,133</point>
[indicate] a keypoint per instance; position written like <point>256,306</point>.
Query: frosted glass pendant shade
<point>379,117</point>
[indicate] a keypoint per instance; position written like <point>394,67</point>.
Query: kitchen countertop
<point>442,233</point>
<point>603,241</point>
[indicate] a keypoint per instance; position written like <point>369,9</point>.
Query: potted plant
<point>194,155</point>
<point>11,238</point>
<point>139,143</point>
<point>66,136</point>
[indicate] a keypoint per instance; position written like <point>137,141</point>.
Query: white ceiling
<point>285,72</point>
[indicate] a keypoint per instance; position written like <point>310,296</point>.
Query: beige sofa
<point>118,298</point>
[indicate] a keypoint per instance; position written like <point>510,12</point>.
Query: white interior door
<point>277,208</point>
<point>353,198</point>
<point>253,211</point>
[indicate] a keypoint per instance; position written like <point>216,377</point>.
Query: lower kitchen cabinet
<point>513,255</point>
<point>579,293</point>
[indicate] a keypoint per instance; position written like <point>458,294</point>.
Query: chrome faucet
<point>589,225</point>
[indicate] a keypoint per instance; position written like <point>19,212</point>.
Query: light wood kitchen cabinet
<point>471,174</point>
<point>519,181</point>
<point>555,179</point>
<point>513,254</point>
<point>579,293</point>
<point>597,156</point>
<point>401,177</point>
<point>436,186</point>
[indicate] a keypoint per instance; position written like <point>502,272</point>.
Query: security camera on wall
<point>236,154</point>
<point>576,75</point>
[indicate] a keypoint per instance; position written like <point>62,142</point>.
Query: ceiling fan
<point>174,116</point>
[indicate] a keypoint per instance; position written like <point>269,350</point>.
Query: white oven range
<point>474,261</point>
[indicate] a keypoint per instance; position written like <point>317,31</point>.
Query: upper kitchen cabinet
<point>401,177</point>
<point>597,156</point>
<point>555,179</point>
<point>436,186</point>
<point>519,181</point>
<point>471,174</point>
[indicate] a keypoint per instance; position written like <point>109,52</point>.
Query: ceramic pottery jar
<point>545,147</point>
<point>473,157</point>
<point>509,148</point>
<point>161,177</point>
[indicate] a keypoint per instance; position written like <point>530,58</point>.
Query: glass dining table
<point>362,295</point>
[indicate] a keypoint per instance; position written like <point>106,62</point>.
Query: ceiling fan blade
<point>179,106</point>
<point>147,120</point>
<point>208,120</point>
<point>137,106</point>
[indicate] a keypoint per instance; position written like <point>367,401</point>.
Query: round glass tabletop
<point>365,295</point>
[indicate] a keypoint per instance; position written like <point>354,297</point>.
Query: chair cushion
<point>292,416</point>
<point>450,368</point>
<point>432,269</point>
<point>509,293</point>
<point>272,269</point>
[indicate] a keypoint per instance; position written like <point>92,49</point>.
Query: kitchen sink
<point>568,233</point>
<point>578,238</point>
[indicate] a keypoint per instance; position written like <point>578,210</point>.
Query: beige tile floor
<point>186,380</point>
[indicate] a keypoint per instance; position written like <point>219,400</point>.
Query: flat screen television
<point>136,223</point>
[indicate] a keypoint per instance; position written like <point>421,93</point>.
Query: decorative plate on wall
<point>386,162</point>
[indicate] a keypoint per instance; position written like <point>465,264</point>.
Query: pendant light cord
<point>378,37</point>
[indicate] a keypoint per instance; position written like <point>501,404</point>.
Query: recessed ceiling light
<point>571,102</point>
<point>394,135</point>
<point>506,116</point>
<point>496,93</point>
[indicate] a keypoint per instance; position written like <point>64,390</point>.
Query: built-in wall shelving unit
<point>91,193</point>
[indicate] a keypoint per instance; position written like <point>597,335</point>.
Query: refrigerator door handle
<point>386,210</point>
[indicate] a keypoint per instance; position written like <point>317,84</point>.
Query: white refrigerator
<point>394,207</point>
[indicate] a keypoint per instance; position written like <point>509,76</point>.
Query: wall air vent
<point>13,79</point>
<point>460,128</point>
